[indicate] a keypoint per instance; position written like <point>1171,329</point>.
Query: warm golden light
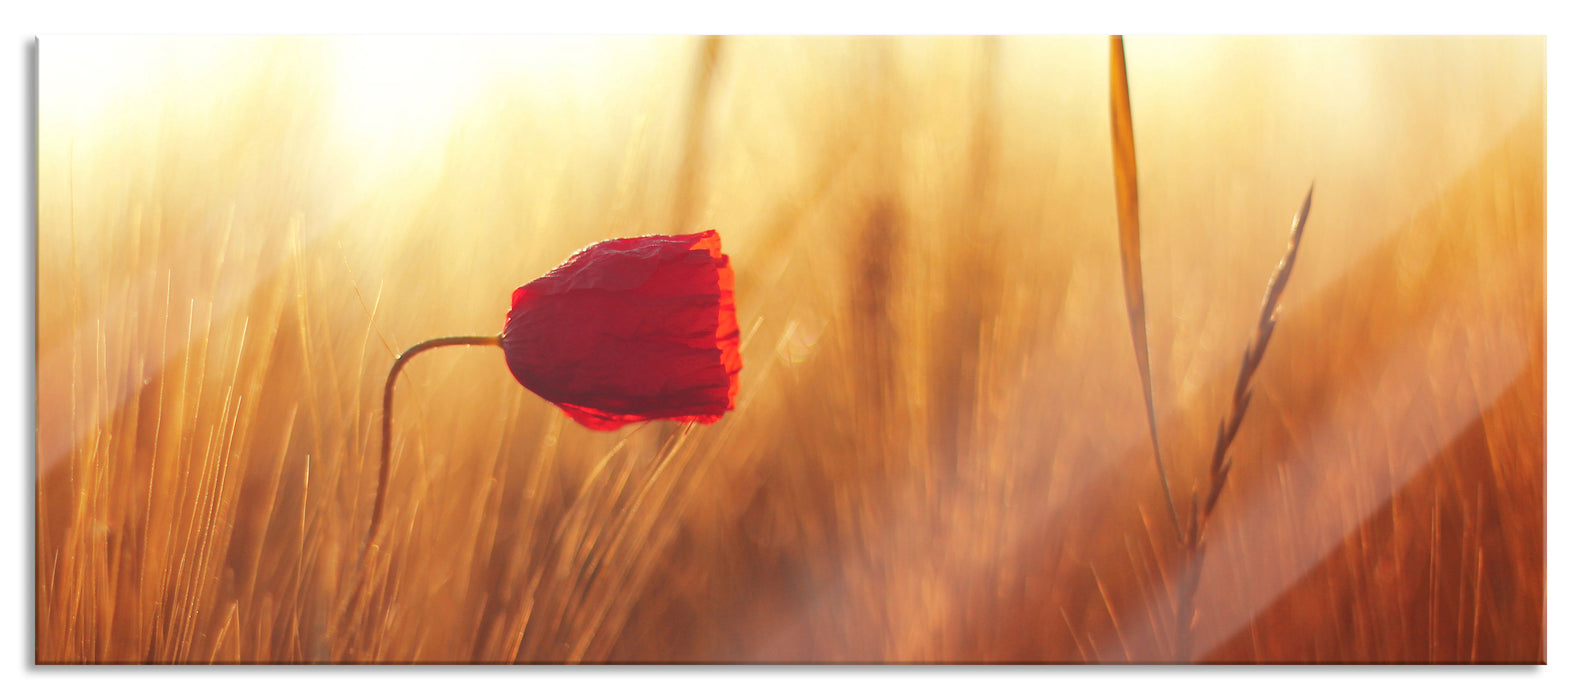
<point>938,452</point>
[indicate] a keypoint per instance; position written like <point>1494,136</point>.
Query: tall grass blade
<point>1125,150</point>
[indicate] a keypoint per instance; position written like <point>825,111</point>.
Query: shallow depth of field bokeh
<point>939,452</point>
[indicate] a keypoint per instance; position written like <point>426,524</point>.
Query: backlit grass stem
<point>384,444</point>
<point>1219,464</point>
<point>1126,210</point>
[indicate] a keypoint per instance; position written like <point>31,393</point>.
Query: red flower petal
<point>631,329</point>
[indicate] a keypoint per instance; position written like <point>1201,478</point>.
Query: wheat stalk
<point>1219,464</point>
<point>1126,202</point>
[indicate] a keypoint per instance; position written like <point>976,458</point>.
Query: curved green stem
<point>384,445</point>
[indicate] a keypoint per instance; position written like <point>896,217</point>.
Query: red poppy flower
<point>631,329</point>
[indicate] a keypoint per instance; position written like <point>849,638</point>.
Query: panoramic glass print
<point>791,350</point>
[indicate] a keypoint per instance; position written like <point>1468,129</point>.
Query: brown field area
<point>940,451</point>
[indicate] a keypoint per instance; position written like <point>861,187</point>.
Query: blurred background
<point>940,451</point>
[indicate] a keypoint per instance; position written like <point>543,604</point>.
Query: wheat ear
<point>1219,464</point>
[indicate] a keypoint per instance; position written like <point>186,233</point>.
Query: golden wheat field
<point>940,451</point>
